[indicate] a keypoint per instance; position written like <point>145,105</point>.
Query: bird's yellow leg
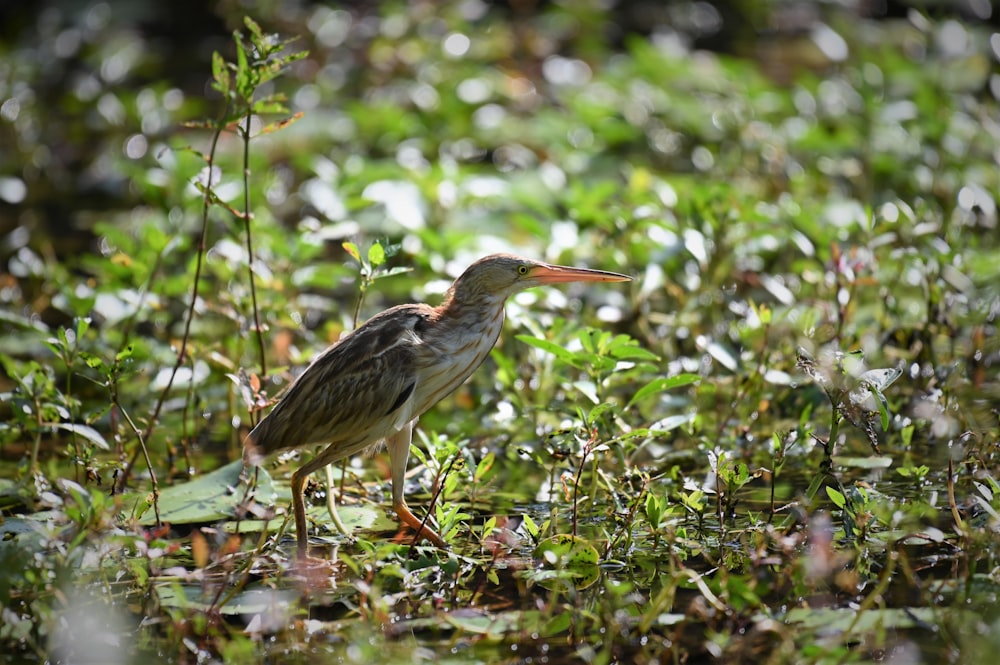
<point>399,451</point>
<point>331,503</point>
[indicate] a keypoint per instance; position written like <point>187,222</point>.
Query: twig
<point>182,352</point>
<point>247,217</point>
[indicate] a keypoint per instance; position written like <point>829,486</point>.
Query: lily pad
<point>247,602</point>
<point>211,497</point>
<point>22,532</point>
<point>493,625</point>
<point>837,620</point>
<point>359,516</point>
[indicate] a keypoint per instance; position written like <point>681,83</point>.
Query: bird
<point>374,383</point>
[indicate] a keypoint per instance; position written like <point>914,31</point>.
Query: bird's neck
<point>470,296</point>
<point>482,317</point>
<point>458,308</point>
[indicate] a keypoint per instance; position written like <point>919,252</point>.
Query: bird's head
<point>498,276</point>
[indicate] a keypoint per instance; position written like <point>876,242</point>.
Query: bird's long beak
<point>550,274</point>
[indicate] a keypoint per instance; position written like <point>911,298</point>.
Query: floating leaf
<point>353,516</point>
<point>835,620</point>
<point>496,625</point>
<point>210,497</point>
<point>248,601</point>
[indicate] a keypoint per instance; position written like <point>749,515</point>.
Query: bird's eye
<point>522,270</point>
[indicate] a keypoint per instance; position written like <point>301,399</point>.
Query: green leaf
<point>530,526</point>
<point>250,601</point>
<point>489,526</point>
<point>86,431</point>
<point>654,510</point>
<point>268,107</point>
<point>835,496</point>
<point>220,74</point>
<point>245,83</point>
<point>210,497</point>
<point>256,33</point>
<point>883,408</point>
<point>493,625</point>
<point>484,466</point>
<point>376,255</point>
<point>550,347</point>
<point>571,557</point>
<point>633,353</point>
<point>838,620</point>
<point>663,384</point>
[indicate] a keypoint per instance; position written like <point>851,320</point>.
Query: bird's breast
<point>461,347</point>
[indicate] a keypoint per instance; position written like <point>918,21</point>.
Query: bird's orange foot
<point>423,531</point>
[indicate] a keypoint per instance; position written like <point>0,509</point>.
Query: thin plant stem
<point>247,217</point>
<point>438,488</point>
<point>579,474</point>
<point>354,324</point>
<point>142,447</point>
<point>182,352</point>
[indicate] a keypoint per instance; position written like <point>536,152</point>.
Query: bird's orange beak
<point>550,274</point>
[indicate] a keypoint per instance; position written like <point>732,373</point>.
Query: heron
<point>374,383</point>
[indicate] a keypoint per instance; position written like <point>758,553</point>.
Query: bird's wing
<point>356,392</point>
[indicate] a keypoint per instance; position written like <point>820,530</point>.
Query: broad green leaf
<point>633,353</point>
<point>550,347</point>
<point>210,497</point>
<point>835,496</point>
<point>834,620</point>
<point>250,601</point>
<point>354,516</point>
<point>530,526</point>
<point>663,384</point>
<point>86,431</point>
<point>496,625</point>
<point>376,255</point>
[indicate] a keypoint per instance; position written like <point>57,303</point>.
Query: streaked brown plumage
<point>375,383</point>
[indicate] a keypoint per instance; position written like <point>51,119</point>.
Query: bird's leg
<point>399,451</point>
<point>323,459</point>
<point>331,503</point>
<point>299,508</point>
